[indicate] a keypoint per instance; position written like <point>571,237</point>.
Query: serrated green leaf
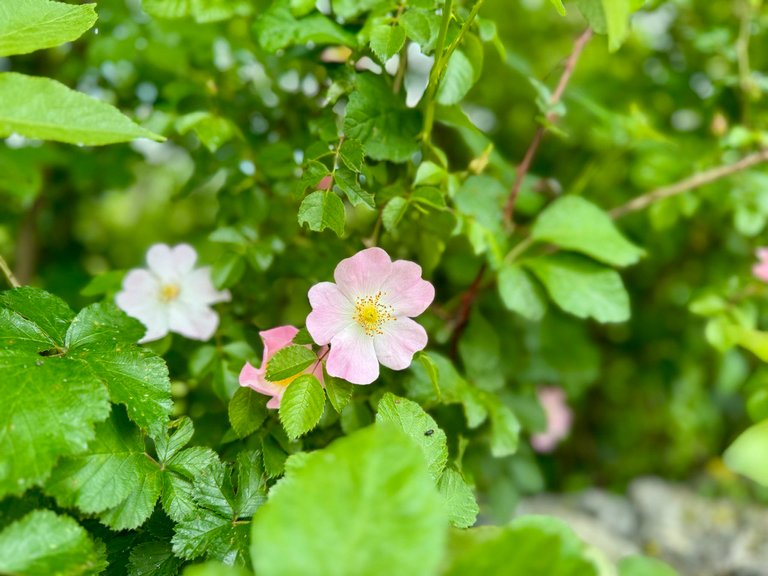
<point>214,490</point>
<point>352,154</point>
<point>339,392</point>
<point>247,411</point>
<point>212,536</point>
<point>409,417</point>
<point>303,338</point>
<point>385,127</point>
<point>251,484</point>
<point>582,287</point>
<point>302,405</point>
<point>459,499</point>
<point>321,210</point>
<point>520,293</point>
<point>29,25</point>
<point>289,361</point>
<point>113,468</point>
<point>178,435</point>
<point>134,510</point>
<point>153,559</point>
<point>346,180</point>
<point>274,457</point>
<point>387,40</point>
<point>277,28</point>
<point>747,453</point>
<point>422,27</point>
<point>45,544</point>
<point>378,473</point>
<point>44,109</point>
<point>576,224</point>
<point>457,80</point>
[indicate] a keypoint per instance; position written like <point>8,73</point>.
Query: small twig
<point>401,67</point>
<point>434,74</point>
<point>690,183</point>
<point>465,309</point>
<point>525,165</point>
<point>8,274</point>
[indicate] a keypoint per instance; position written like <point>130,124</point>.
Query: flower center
<point>371,314</point>
<point>169,292</point>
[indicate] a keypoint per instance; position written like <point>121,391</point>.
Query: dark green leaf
<point>321,210</point>
<point>339,392</point>
<point>247,411</point>
<point>278,28</point>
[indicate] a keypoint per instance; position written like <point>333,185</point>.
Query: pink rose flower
<point>173,295</point>
<point>760,270</point>
<point>366,315</point>
<point>559,418</point>
<point>274,339</point>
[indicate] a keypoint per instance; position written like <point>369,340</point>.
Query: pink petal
<point>405,291</point>
<point>401,339</point>
<point>197,287</point>
<point>760,271</point>
<point>352,356</point>
<point>254,379</point>
<point>762,254</point>
<point>559,418</point>
<point>331,312</point>
<point>364,273</point>
<point>274,339</point>
<point>196,322</point>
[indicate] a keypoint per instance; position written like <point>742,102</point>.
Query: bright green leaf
<point>277,28</point>
<point>44,109</point>
<point>558,4</point>
<point>459,499</point>
<point>644,566</point>
<point>609,17</point>
<point>302,405</point>
<point>321,210</point>
<point>582,287</point>
<point>247,411</point>
<point>213,131</point>
<point>45,544</point>
<point>398,525</point>
<point>409,417</point>
<point>576,224</point>
<point>29,25</point>
<point>339,392</point>
<point>200,10</point>
<point>289,361</point>
<point>747,453</point>
<point>352,154</point>
<point>387,40</point>
<point>393,212</point>
<point>457,80</point>
<point>520,293</point>
<point>347,181</point>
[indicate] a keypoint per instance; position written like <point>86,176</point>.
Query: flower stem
<point>435,73</point>
<point>8,274</point>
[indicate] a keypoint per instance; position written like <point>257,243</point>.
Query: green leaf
<point>558,4</point>
<point>29,25</point>
<point>211,536</point>
<point>409,417</point>
<point>228,270</point>
<point>251,484</point>
<point>347,181</point>
<point>44,109</point>
<point>747,453</point>
<point>644,566</point>
<point>289,361</point>
<point>393,212</point>
<point>153,559</point>
<point>247,411</point>
<point>576,224</point>
<point>459,499</point>
<point>168,445</point>
<point>216,568</point>
<point>348,9</point>
<point>505,428</point>
<point>609,17</point>
<point>200,10</point>
<point>528,545</point>
<point>44,544</point>
<point>352,154</point>
<point>105,337</point>
<point>302,405</point>
<point>582,287</point>
<point>398,526</point>
<point>115,474</point>
<point>384,125</point>
<point>457,80</point>
<point>212,131</point>
<point>520,293</point>
<point>321,210</point>
<point>339,392</point>
<point>387,40</point>
<point>182,469</point>
<point>421,26</point>
<point>278,28</point>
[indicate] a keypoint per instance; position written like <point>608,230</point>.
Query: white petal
<point>193,321</point>
<point>196,287</point>
<point>171,264</point>
<point>352,356</point>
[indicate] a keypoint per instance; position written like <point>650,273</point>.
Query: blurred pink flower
<point>366,315</point>
<point>559,418</point>
<point>760,270</point>
<point>172,296</point>
<point>274,339</point>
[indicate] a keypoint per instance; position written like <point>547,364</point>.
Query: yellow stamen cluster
<point>169,292</point>
<point>371,314</point>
